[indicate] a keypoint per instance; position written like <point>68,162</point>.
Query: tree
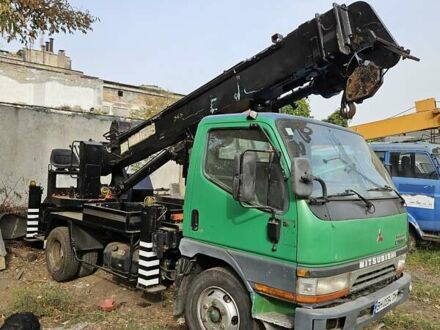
<point>24,20</point>
<point>302,109</point>
<point>337,119</point>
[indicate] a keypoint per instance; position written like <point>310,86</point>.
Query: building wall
<point>59,60</point>
<point>134,101</point>
<point>28,134</point>
<point>34,83</point>
<point>58,88</point>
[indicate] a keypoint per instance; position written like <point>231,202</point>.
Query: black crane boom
<point>346,49</point>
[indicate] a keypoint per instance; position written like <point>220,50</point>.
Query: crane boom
<point>346,49</point>
<point>316,58</point>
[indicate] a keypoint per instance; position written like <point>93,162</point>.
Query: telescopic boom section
<point>346,49</point>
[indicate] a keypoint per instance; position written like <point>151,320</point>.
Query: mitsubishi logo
<point>379,236</point>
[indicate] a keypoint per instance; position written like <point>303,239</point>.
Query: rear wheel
<point>218,300</point>
<point>60,259</point>
<point>91,257</point>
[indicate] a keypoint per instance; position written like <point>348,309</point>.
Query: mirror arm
<point>309,178</point>
<point>261,207</point>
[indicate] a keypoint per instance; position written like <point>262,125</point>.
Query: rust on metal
<point>363,82</point>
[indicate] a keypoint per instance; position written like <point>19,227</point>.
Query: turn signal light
<point>298,298</point>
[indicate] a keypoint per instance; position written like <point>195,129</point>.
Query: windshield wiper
<point>389,188</point>
<point>350,192</point>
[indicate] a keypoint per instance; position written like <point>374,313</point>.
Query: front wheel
<point>218,300</point>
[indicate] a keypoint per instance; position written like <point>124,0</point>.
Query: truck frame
<point>244,248</point>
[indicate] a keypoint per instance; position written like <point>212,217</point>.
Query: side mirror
<point>301,177</point>
<point>245,175</point>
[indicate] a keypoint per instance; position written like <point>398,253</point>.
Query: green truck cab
<point>294,211</point>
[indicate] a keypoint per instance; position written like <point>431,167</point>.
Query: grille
<point>373,277</point>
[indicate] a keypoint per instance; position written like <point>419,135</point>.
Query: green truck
<point>286,222</point>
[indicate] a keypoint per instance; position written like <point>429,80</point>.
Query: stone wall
<point>29,133</point>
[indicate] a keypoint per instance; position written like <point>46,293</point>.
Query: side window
<point>224,144</point>
<point>424,168</point>
<point>413,165</point>
<point>380,155</point>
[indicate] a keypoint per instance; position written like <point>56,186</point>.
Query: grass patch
<point>427,259</point>
<point>404,321</point>
<point>426,292</point>
<point>56,305</point>
<point>44,301</point>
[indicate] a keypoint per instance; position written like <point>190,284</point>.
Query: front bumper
<point>357,312</point>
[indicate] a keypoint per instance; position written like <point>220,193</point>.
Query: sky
<point>181,44</point>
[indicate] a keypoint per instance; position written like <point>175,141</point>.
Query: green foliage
<point>302,109</point>
<point>337,119</point>
<point>24,20</point>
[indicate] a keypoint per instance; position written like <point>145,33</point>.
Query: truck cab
<point>295,252</point>
<point>414,168</point>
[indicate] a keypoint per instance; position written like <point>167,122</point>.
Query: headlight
<point>401,263</point>
<point>315,290</point>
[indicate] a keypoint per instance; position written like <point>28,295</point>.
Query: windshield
<point>341,158</point>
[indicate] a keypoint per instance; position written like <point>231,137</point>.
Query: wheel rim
<point>56,255</point>
<point>216,309</point>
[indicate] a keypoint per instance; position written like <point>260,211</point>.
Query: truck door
<point>223,221</point>
<point>416,178</point>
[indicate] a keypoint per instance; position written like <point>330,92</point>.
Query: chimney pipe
<point>51,45</point>
<point>47,46</point>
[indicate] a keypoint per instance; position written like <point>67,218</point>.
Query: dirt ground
<point>26,285</point>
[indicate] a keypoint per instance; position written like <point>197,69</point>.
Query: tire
<point>60,259</point>
<point>90,257</point>
<point>217,300</point>
<point>412,242</point>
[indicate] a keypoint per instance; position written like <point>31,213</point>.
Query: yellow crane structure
<point>426,116</point>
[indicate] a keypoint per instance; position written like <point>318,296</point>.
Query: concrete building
<point>45,104</point>
<point>136,101</point>
<point>44,78</point>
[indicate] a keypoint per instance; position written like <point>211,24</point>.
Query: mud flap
<point>12,226</point>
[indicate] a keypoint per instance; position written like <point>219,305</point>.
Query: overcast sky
<point>179,45</point>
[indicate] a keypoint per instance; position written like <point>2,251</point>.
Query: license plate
<point>385,302</point>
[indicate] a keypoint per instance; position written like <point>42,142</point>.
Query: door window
<point>224,144</point>
<point>412,165</point>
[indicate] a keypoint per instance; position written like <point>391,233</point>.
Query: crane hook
<point>348,110</point>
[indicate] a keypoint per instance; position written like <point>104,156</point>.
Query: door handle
<point>195,220</point>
